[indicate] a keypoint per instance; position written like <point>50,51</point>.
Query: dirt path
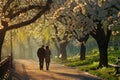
<point>29,70</point>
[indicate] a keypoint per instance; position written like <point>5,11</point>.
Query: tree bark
<point>62,45</point>
<point>2,36</point>
<point>83,46</point>
<point>102,40</point>
<point>57,47</point>
<point>63,51</point>
<point>82,51</point>
<point>103,54</point>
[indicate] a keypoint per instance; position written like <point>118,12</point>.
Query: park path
<point>29,70</point>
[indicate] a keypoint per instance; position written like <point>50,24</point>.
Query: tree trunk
<point>103,46</point>
<point>102,41</point>
<point>103,54</point>
<point>83,46</point>
<point>63,51</point>
<point>2,36</point>
<point>57,47</point>
<point>30,48</point>
<point>82,51</point>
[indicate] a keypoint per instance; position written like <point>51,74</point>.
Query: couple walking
<point>44,54</point>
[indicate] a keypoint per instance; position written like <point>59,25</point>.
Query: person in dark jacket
<point>47,57</point>
<point>41,56</point>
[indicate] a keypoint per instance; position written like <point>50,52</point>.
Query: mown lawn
<point>91,63</point>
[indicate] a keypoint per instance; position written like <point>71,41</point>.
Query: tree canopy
<point>94,17</point>
<point>76,14</point>
<point>18,13</point>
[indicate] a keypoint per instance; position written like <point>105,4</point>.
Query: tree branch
<point>56,32</point>
<point>65,35</point>
<point>75,34</point>
<point>6,6</point>
<point>28,21</point>
<point>30,7</point>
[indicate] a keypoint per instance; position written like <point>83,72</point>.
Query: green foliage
<point>113,54</point>
<point>94,51</point>
<point>89,67</point>
<point>104,73</point>
<point>75,61</point>
<point>57,60</point>
<point>92,61</point>
<point>116,28</point>
<point>116,34</point>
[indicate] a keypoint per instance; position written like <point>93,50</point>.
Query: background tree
<point>15,14</point>
<point>82,39</point>
<point>115,38</point>
<point>63,38</point>
<point>97,17</point>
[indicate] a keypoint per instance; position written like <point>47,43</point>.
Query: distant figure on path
<point>47,57</point>
<point>41,56</point>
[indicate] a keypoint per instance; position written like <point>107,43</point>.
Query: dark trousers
<point>41,63</point>
<point>47,65</point>
<point>47,60</point>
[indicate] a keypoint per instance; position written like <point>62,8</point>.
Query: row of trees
<point>81,18</point>
<point>90,17</point>
<point>16,13</point>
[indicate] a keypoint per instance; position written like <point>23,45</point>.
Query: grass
<point>91,63</point>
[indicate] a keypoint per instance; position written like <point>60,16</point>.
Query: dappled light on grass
<point>91,63</point>
<point>88,67</point>
<point>90,59</point>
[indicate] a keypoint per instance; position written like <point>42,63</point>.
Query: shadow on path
<point>75,76</point>
<point>29,70</point>
<point>19,76</point>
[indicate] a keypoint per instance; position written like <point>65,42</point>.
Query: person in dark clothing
<point>47,57</point>
<point>41,56</point>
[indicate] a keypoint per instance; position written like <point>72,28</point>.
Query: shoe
<point>41,68</point>
<point>47,69</point>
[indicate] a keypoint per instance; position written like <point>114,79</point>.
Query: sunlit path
<point>29,70</point>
